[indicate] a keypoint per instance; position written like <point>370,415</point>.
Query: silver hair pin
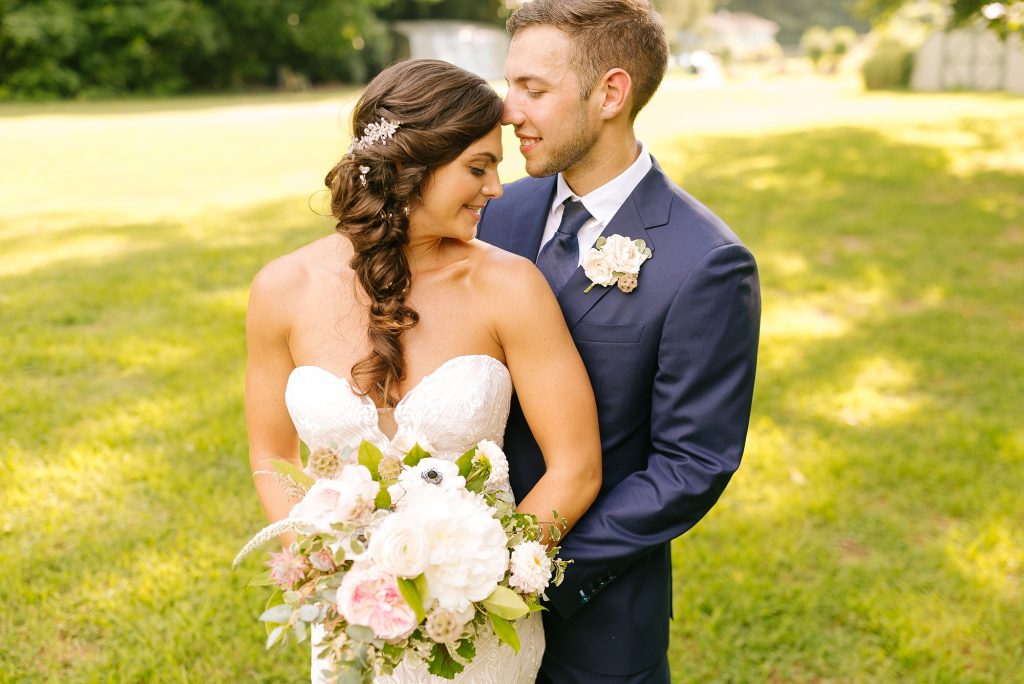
<point>363,170</point>
<point>379,131</point>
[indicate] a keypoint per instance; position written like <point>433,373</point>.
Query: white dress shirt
<point>602,203</point>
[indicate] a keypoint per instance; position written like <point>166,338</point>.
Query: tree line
<point>98,48</point>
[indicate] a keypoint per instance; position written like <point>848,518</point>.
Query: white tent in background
<point>969,59</point>
<point>475,47</point>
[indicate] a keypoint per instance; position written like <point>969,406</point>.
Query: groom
<point>671,362</point>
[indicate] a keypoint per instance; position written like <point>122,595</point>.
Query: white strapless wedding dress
<point>462,402</point>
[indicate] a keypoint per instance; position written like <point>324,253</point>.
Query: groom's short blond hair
<point>606,34</point>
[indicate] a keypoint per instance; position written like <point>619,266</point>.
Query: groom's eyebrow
<point>523,80</point>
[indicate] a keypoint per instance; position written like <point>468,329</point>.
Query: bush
<point>889,66</point>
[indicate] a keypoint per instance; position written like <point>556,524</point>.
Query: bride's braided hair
<point>441,109</point>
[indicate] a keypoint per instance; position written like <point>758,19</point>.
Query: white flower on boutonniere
<point>615,260</point>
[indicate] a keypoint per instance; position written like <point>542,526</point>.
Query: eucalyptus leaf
<point>275,635</point>
<point>279,613</point>
<point>300,632</point>
<point>360,633</point>
<point>505,631</point>
<point>308,612</point>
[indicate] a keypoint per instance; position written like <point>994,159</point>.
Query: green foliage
<point>816,43</point>
<point>1006,20</point>
<point>889,66</point>
<point>91,48</point>
<point>796,16</point>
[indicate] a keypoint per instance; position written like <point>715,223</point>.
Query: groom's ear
<point>616,87</point>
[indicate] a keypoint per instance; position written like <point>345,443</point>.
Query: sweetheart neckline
<point>367,401</point>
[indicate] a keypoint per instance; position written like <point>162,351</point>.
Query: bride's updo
<point>440,110</point>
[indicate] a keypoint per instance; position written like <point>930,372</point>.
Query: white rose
<point>345,499</point>
<point>597,268</point>
<point>623,254</point>
<point>531,568</point>
<point>499,464</point>
<point>399,546</point>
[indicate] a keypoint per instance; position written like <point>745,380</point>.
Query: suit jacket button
<point>584,597</point>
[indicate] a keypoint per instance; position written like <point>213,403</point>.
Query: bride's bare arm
<point>554,391</point>
<point>271,433</point>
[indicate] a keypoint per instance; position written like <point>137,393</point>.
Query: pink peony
<point>286,569</point>
<point>370,597</point>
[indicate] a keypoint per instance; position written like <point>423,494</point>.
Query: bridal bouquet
<point>393,556</point>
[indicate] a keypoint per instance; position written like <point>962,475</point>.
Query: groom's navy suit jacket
<point>672,366</point>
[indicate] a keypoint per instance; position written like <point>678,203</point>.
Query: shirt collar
<point>604,202</point>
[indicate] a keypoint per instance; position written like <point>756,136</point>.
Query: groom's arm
<point>700,411</point>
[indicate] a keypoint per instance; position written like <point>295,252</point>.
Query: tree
<point>816,43</point>
<point>1004,18</point>
<point>682,15</point>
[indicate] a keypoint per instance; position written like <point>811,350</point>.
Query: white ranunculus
<point>347,498</point>
<point>597,268</point>
<point>531,567</point>
<point>499,464</point>
<point>623,254</point>
<point>467,545</point>
<point>399,546</point>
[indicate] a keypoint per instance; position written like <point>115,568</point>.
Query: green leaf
<point>465,462</point>
<point>505,603</point>
<point>641,244</point>
<point>421,584</point>
<point>466,649</point>
<point>370,456</point>
<point>279,613</point>
<point>275,635</point>
<point>360,633</point>
<point>442,664</point>
<point>476,485</point>
<point>383,500</point>
<point>290,470</point>
<point>411,594</point>
<point>505,631</point>
<point>261,580</point>
<point>415,455</point>
<point>600,242</point>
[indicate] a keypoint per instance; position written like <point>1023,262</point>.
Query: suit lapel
<point>646,207</point>
<point>529,219</point>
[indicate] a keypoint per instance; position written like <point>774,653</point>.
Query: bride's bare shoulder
<point>287,277</point>
<point>504,274</point>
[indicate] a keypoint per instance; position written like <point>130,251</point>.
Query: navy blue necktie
<point>560,257</point>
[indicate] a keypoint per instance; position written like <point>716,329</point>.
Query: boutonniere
<point>615,260</point>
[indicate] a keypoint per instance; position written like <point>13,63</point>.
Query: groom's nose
<point>510,113</point>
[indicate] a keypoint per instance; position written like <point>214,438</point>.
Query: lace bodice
<point>448,412</point>
<point>466,399</point>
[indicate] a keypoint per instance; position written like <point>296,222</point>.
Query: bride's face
<point>455,193</point>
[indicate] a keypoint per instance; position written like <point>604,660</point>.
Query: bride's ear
<point>615,87</point>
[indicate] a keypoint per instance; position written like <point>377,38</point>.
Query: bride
<point>401,327</point>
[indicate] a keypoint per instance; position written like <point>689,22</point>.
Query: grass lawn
<point>875,532</point>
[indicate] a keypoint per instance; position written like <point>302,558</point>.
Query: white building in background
<point>475,47</point>
<point>969,59</point>
<point>746,36</point>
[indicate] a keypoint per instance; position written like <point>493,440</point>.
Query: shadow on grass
<point>867,536</point>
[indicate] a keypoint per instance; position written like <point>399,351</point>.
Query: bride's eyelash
<point>477,172</point>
